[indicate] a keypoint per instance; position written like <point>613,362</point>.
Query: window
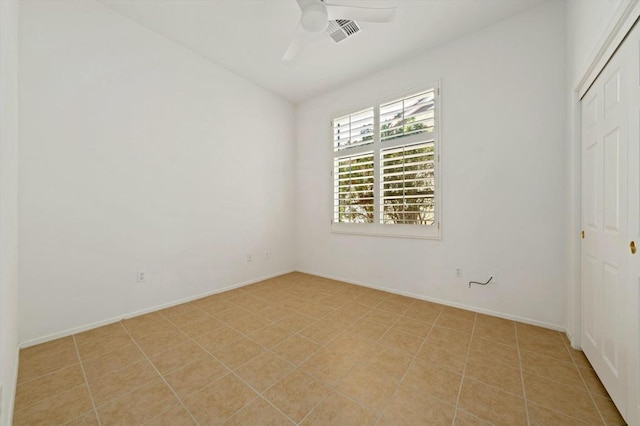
<point>385,168</point>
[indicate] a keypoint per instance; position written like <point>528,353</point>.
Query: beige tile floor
<point>300,349</point>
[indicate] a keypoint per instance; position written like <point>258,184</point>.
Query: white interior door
<point>605,126</point>
<point>633,308</point>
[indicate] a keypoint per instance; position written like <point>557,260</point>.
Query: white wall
<point>8,205</point>
<point>137,154</point>
<point>503,175</point>
<point>588,23</point>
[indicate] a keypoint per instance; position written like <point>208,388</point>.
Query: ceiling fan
<point>318,17</point>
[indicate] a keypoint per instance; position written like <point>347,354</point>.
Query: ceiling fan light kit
<point>319,16</point>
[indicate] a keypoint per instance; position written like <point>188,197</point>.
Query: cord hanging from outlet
<point>477,282</point>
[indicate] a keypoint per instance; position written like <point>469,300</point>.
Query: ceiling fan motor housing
<point>314,17</point>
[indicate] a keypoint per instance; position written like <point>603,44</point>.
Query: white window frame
<point>392,230</point>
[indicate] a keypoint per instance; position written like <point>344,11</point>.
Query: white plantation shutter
<point>353,130</point>
<point>408,116</point>
<point>354,189</point>
<point>385,168</point>
<point>407,185</point>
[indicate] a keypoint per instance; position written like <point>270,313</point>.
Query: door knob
<point>632,245</point>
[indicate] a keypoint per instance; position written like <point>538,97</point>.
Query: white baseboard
<point>573,341</point>
<point>443,302</point>
<point>112,320</point>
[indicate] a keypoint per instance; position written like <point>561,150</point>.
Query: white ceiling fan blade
<point>361,14</point>
<point>300,39</point>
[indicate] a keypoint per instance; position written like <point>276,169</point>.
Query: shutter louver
<point>353,189</point>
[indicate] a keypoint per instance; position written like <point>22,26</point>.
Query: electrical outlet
<point>141,277</point>
<point>459,273</point>
<point>267,255</point>
<point>249,258</point>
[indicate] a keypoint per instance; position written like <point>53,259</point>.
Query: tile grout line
<point>524,391</point>
<point>562,414</point>
<point>410,363</point>
<point>248,336</point>
<point>475,379</point>
<point>118,369</point>
<point>86,381</point>
<point>335,387</point>
<point>49,396</point>
<point>386,346</point>
<point>231,371</point>
<point>161,376</point>
<point>46,355</point>
<point>258,396</point>
<point>384,407</point>
<point>311,411</point>
<point>323,345</point>
<point>357,361</point>
<point>584,382</point>
<point>464,370</point>
<point>361,405</point>
<point>550,379</point>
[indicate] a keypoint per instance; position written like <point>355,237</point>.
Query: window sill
<point>399,231</point>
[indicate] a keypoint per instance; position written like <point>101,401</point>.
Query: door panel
<point>604,218</point>
<point>612,182</point>
<point>590,299</point>
<point>611,92</point>
<point>591,192</point>
<point>590,108</point>
<point>610,320</point>
<point>632,316</point>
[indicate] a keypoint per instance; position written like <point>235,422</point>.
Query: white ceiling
<point>249,37</point>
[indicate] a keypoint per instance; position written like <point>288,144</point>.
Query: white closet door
<point>605,226</point>
<point>633,308</point>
